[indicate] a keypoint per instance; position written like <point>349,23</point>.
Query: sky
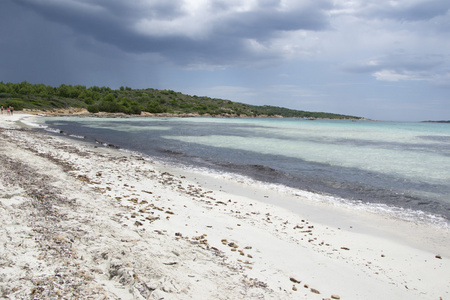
<point>379,59</point>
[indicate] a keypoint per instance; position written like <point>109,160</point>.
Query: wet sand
<point>80,221</point>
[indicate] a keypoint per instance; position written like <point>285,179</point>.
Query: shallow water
<point>401,165</point>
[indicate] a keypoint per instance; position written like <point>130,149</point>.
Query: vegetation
<point>95,99</point>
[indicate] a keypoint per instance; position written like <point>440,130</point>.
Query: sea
<point>399,168</point>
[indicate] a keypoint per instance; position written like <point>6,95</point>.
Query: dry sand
<point>79,221</point>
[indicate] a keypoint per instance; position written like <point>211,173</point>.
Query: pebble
<point>335,297</point>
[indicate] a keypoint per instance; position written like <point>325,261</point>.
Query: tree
<point>109,98</point>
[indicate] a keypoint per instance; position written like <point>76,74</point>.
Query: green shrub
<point>93,109</point>
<point>5,95</point>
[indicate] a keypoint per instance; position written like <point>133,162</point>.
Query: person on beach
<point>1,109</point>
<point>7,110</point>
<point>11,110</point>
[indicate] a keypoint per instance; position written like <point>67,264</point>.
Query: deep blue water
<point>403,165</point>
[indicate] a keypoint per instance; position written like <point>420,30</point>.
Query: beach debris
<point>152,218</point>
<point>254,282</point>
<point>294,280</point>
<point>233,245</point>
<point>83,178</point>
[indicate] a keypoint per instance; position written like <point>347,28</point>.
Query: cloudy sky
<point>382,59</point>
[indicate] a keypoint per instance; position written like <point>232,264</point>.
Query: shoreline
<point>376,204</point>
<point>76,112</point>
<point>124,204</point>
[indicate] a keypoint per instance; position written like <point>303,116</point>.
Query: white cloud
<point>392,75</point>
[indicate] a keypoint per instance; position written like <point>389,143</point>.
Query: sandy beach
<point>80,221</point>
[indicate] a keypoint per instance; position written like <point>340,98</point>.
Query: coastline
<point>121,226</point>
<point>81,112</point>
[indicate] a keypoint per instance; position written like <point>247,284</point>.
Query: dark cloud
<point>117,23</point>
<point>266,21</point>
<point>240,44</point>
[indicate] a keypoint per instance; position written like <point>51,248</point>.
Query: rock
<point>315,291</point>
<point>294,288</point>
<point>335,297</point>
<point>438,256</point>
<point>345,248</point>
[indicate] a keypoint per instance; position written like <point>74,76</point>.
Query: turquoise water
<point>401,165</point>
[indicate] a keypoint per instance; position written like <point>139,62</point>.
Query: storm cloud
<point>227,46</point>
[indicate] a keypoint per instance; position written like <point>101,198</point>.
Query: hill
<point>126,100</point>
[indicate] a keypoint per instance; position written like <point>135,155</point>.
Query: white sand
<point>79,222</point>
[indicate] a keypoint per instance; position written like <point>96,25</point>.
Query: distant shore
<point>83,112</point>
<point>80,220</point>
<point>436,121</point>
